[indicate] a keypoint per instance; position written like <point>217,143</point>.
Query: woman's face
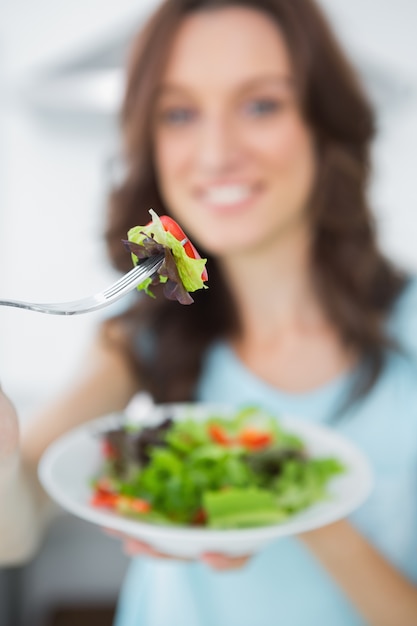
<point>233,155</point>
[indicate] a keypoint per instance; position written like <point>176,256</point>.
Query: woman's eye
<point>177,116</point>
<point>262,107</point>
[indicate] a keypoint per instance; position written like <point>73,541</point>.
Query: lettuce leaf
<point>179,273</point>
<point>242,508</point>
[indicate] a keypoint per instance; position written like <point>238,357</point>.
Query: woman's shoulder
<point>402,322</point>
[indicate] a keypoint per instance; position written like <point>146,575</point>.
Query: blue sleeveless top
<point>284,584</point>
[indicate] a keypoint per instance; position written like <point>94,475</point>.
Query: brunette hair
<point>356,284</point>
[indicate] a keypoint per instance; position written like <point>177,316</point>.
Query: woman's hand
<point>19,524</point>
<point>9,429</point>
<point>219,562</point>
<point>222,562</point>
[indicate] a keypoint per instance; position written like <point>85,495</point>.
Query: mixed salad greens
<point>182,271</point>
<point>224,472</point>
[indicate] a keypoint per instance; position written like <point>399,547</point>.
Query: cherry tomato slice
<point>254,439</point>
<point>104,499</point>
<point>134,505</point>
<point>172,227</point>
<point>219,435</point>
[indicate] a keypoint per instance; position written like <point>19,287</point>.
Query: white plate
<point>69,463</point>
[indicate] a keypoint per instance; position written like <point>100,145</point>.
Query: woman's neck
<point>273,286</point>
<point>285,336</point>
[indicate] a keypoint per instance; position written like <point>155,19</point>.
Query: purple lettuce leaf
<point>173,286</point>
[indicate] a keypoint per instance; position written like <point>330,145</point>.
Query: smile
<point>227,194</point>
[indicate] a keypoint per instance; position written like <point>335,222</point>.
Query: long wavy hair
<point>357,286</point>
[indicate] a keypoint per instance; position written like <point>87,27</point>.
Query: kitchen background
<point>61,79</point>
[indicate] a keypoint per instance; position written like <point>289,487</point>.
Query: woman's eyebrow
<point>169,89</point>
<point>277,80</point>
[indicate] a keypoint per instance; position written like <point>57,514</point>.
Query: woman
<point>244,122</point>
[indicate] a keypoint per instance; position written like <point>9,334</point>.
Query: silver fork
<point>145,269</point>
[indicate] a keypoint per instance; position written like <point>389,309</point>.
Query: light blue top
<point>284,585</point>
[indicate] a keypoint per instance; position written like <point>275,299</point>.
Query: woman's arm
<point>379,591</point>
<point>106,385</point>
<point>14,510</point>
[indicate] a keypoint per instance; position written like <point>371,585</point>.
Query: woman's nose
<point>218,150</point>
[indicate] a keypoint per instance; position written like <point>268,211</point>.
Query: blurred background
<point>61,80</point>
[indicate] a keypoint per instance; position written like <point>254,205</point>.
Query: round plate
<point>68,465</point>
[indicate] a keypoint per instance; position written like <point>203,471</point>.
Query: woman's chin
<point>226,245</point>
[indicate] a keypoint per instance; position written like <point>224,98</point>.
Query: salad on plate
<point>223,472</point>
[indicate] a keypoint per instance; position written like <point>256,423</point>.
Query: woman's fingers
<point>222,562</point>
<point>219,562</point>
<point>135,547</point>
<point>9,428</point>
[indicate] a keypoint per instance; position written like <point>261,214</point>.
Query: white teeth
<point>231,194</point>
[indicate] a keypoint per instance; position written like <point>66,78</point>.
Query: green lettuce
<point>179,273</point>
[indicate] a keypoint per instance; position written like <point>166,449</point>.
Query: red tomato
<point>104,499</point>
<point>134,505</point>
<point>107,499</point>
<point>219,435</point>
<point>172,227</point>
<point>254,439</point>
<point>140,506</point>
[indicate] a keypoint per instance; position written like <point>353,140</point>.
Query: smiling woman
<point>260,147</point>
<point>243,120</point>
<point>236,157</point>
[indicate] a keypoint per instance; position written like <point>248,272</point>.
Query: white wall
<point>42,33</point>
<point>394,190</point>
<point>53,193</point>
<point>381,30</point>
